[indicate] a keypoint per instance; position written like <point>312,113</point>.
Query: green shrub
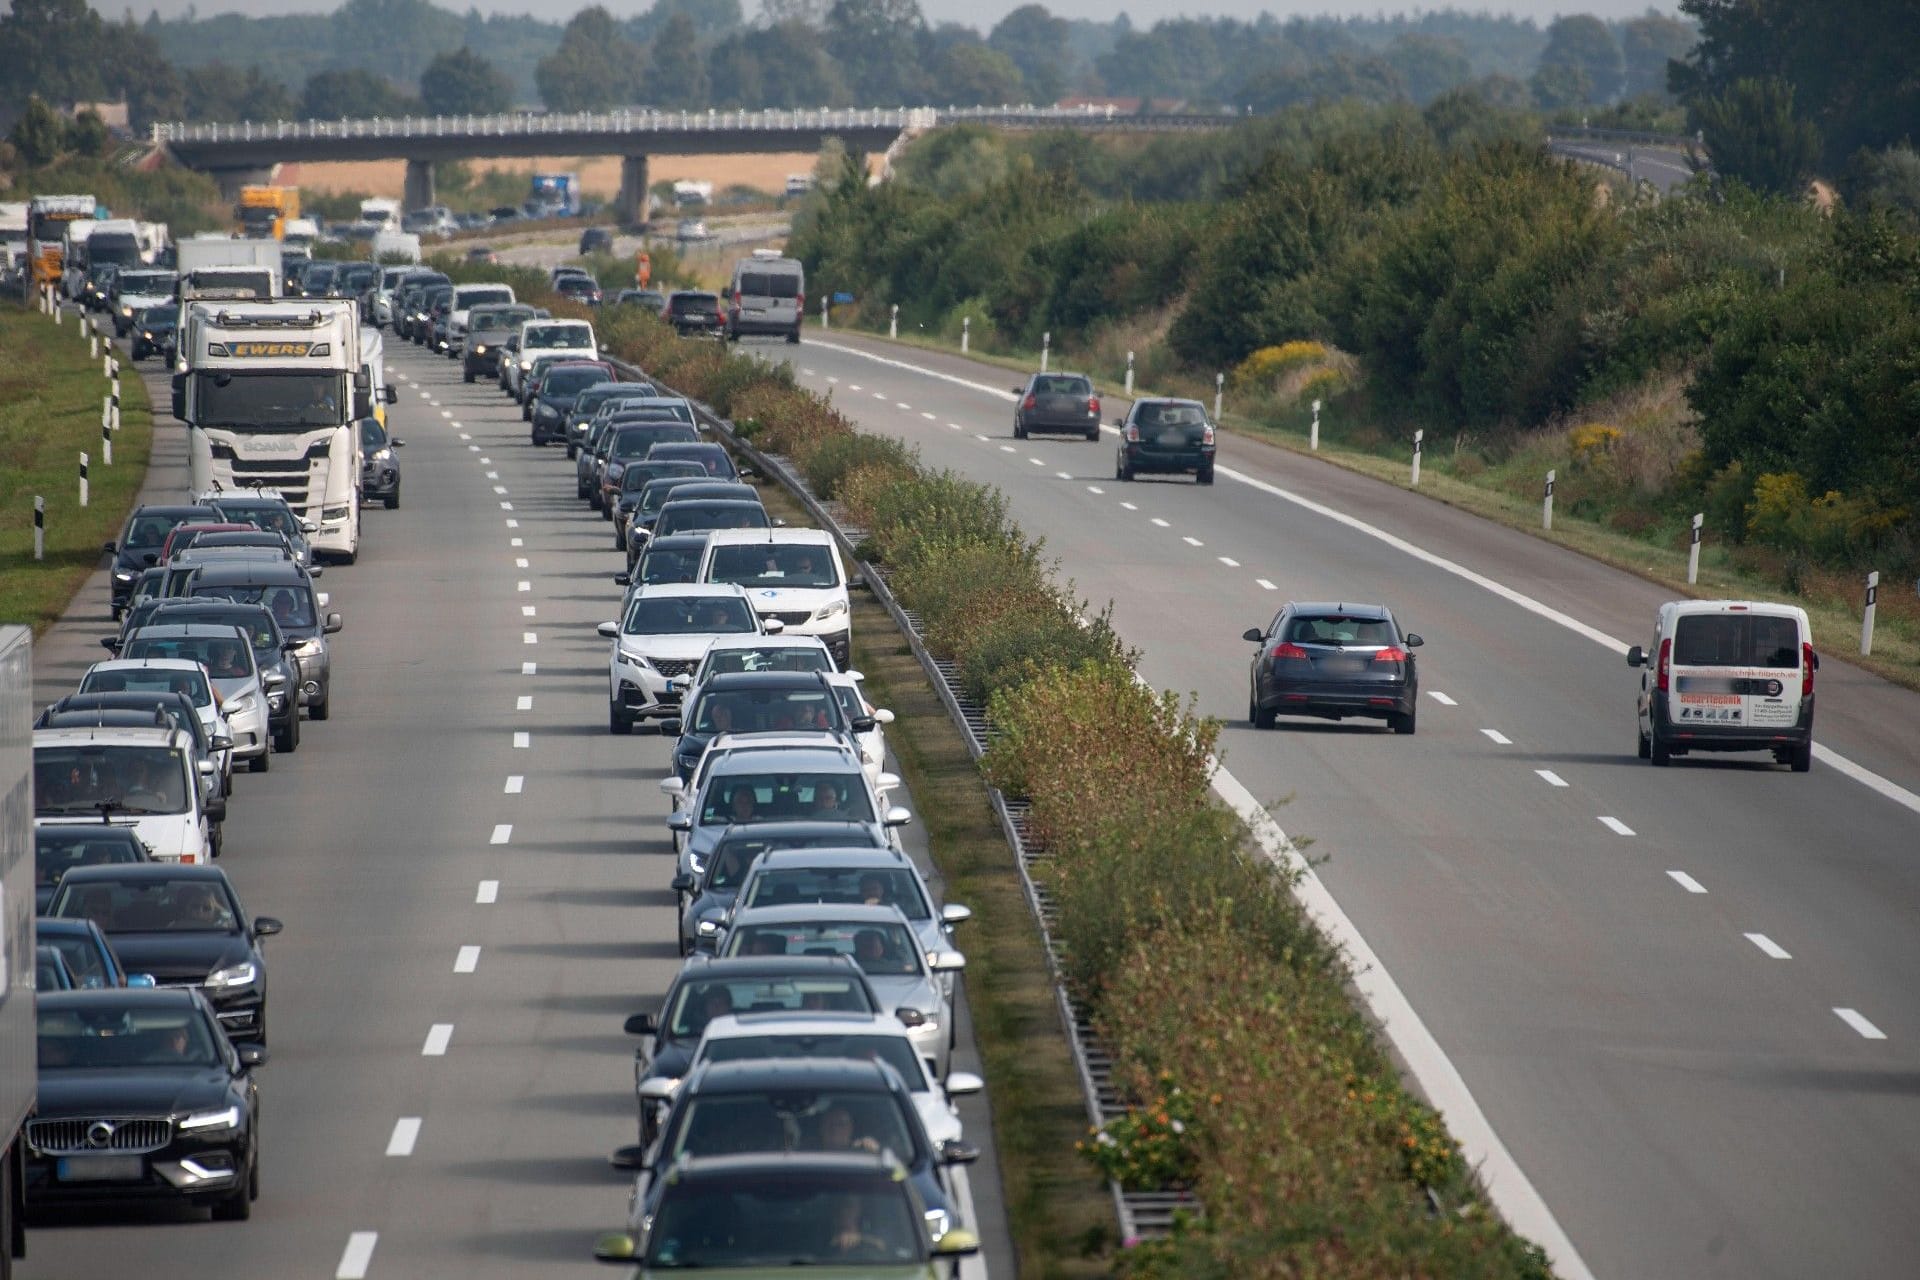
<point>833,458</point>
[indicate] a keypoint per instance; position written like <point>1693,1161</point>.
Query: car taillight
<point>1133,434</point>
<point>1282,652</point>
<point>1392,653</point>
<point>1206,434</point>
<point>1029,402</point>
<point>1093,405</point>
<point>1660,668</point>
<point>1806,670</point>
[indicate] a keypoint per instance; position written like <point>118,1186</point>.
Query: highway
<point>473,875</point>
<point>1683,998</point>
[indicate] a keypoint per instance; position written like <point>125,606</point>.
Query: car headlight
<point>244,974</point>
<point>147,334</point>
<point>637,659</point>
<point>832,609</point>
<point>334,513</point>
<point>382,455</point>
<point>204,1121</point>
<point>125,310</point>
<point>480,349</point>
<point>525,365</point>
<point>121,575</point>
<point>308,648</point>
<point>698,864</point>
<point>238,703</point>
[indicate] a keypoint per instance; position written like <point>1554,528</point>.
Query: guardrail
<point>1580,133</point>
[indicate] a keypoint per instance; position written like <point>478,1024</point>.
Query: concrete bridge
<point>236,154</point>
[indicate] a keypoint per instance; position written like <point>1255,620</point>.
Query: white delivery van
<point>1727,675</point>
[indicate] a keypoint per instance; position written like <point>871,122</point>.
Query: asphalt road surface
<point>1684,997</point>
<point>473,875</point>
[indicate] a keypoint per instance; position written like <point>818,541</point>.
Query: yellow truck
<point>263,211</point>
<point>47,219</point>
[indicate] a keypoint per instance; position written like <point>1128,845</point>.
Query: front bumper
<point>550,426</point>
<point>380,480</point>
<point>249,732</point>
<point>188,1168</point>
<point>481,359</point>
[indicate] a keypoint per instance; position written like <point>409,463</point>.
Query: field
<point>599,175</point>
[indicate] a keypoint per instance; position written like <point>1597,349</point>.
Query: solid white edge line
<point>1551,778</point>
<point>1768,947</point>
<point>406,1132</point>
<point>357,1256</point>
<point>1441,698</point>
<point>1687,882</point>
<point>1497,737</point>
<point>1616,826</point>
<point>1518,1200</point>
<point>1866,1029</point>
<point>1866,777</point>
<point>439,1036</point>
<point>467,960</point>
<point>488,894</point>
<point>502,833</point>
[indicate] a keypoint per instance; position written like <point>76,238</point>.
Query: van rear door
<point>1737,670</point>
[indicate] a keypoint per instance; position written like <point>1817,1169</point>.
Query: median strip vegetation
<point>51,396</point>
<point>1261,1089</point>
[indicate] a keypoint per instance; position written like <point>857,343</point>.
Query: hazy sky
<point>976,13</point>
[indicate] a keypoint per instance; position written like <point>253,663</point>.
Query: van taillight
<point>1806,670</point>
<point>1660,669</point>
<point>799,302</point>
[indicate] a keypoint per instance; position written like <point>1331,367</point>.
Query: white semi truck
<point>18,1028</point>
<point>219,267</point>
<point>272,393</point>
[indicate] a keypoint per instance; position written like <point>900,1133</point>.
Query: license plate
<point>1173,440</point>
<point>101,1168</point>
<point>1343,666</point>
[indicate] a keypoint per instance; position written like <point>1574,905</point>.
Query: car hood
<point>130,1091</point>
<point>177,958</point>
<point>671,647</point>
<point>913,991</point>
<point>793,599</point>
<point>670,1063</point>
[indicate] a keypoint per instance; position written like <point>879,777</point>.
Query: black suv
<point>690,311</point>
<point>1167,436</point>
<point>140,541</point>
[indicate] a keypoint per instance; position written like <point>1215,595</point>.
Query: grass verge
<point>50,400</point>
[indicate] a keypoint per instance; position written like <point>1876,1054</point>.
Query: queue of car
<point>794,1089</point>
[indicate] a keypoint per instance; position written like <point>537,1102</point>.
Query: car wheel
<point>793,339</point>
<point>1205,476</point>
<point>1123,472</point>
<point>1643,748</point>
<point>619,540</point>
<point>261,763</point>
<point>253,1171</point>
<point>237,1207</point>
<point>1802,757</point>
<point>216,839</point>
<point>1093,433</point>
<point>526,412</point>
<point>1659,752</point>
<point>322,709</point>
<point>572,453</point>
<point>618,724</point>
<point>539,441</point>
<point>467,374</point>
<point>606,512</point>
<point>1019,430</point>
<point>1261,717</point>
<point>286,740</point>
<point>1404,722</point>
<point>393,499</point>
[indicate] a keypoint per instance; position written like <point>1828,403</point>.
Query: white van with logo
<point>793,575</point>
<point>1727,675</point>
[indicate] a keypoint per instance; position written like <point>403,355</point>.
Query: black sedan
<point>379,468</point>
<point>142,1097</point>
<point>184,925</point>
<point>1334,661</point>
<point>154,332</point>
<point>59,849</point>
<point>692,311</point>
<point>1057,402</point>
<point>1173,436</point>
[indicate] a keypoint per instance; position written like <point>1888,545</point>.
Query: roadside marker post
<point>39,527</point>
<point>823,311</point>
<point>1866,619</point>
<point>966,334</point>
<point>1129,375</point>
<point>106,444</point>
<point>1313,432</point>
<point>1546,506</point>
<point>1418,438</point>
<point>83,479</point>
<point>893,322</point>
<point>1693,551</point>
<point>93,347</point>
<point>1219,394</point>
<point>1046,349</point>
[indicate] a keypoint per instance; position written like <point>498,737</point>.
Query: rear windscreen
<point>1736,640</point>
<point>770,284</point>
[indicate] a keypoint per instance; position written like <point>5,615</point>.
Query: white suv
<point>793,575</point>
<point>663,634</point>
<point>572,339</point>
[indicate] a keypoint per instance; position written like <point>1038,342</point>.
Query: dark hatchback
<point>551,405</point>
<point>633,484</point>
<point>185,926</point>
<point>379,468</point>
<point>59,849</point>
<point>582,289</point>
<point>1334,661</point>
<point>664,559</point>
<point>714,457</point>
<point>682,487</point>
<point>1063,403</point>
<point>703,515</point>
<point>589,403</point>
<point>142,1098</point>
<point>756,702</point>
<point>1165,436</point>
<point>140,542</point>
<point>154,332</point>
<point>690,311</point>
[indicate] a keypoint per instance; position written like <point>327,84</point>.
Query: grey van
<point>766,297</point>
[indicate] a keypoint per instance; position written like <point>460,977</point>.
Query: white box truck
<point>225,268</point>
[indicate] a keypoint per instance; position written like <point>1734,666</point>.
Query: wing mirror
<point>334,623</point>
<point>954,913</point>
<point>961,1083</point>
<point>110,643</point>
<point>772,626</point>
<point>220,742</point>
<point>266,926</point>
<point>863,724</point>
<point>314,571</point>
<point>141,981</point>
<point>311,526</point>
<point>673,786</point>
<point>1636,657</point>
<point>1253,635</point>
<point>1018,390</point>
<point>108,548</point>
<point>1412,640</point>
<point>618,1246</point>
<point>251,1055</point>
<point>682,883</point>
<point>622,580</point>
<point>641,1024</point>
<point>608,629</point>
<point>321,598</point>
<point>909,1017</point>
<point>883,716</point>
<point>953,1151</point>
<point>670,726</point>
<point>898,817</point>
<point>390,395</point>
<point>886,782</point>
<point>629,1159</point>
<point>397,443</point>
<point>946,961</point>
<point>680,822</point>
<point>658,1089</point>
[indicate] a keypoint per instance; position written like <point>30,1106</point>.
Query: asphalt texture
<point>431,1109</point>
<point>1683,997</point>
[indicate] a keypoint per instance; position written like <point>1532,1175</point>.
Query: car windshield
<point>467,298</point>
<point>146,282</point>
<point>711,457</point>
<point>688,615</point>
<point>57,849</point>
<point>148,906</point>
<point>661,565</point>
<point>774,565</point>
<point>290,606</point>
<point>151,530</point>
<point>791,657</point>
<point>1736,640</point>
<point>372,434</point>
<point>794,1120</point>
<point>225,658</point>
<point>771,1221</point>
<point>82,954</point>
<point>150,679</point>
<point>1339,630</point>
<point>644,472</point>
<point>894,1050</point>
<point>699,517</point>
<point>550,336</point>
<point>161,316</point>
<point>268,400</point>
<point>741,798</point>
<point>636,441</point>
<point>565,382</point>
<point>694,302</point>
<point>272,519</point>
<point>125,1036</point>
<point>698,1001</point>
<point>257,623</point>
<point>656,494</point>
<point>89,777</point>
<point>486,320</point>
<point>873,886</point>
<point>765,711</point>
<point>879,948</point>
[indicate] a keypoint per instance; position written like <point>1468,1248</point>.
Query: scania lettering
<point>271,391</point>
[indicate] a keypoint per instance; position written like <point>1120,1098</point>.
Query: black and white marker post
<point>83,479</point>
<point>1693,552</point>
<point>1866,619</point>
<point>1546,505</point>
<point>39,527</point>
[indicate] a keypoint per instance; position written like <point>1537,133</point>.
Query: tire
<point>286,741</point>
<point>1406,723</point>
<point>1019,430</point>
<point>619,540</point>
<point>1093,433</point>
<point>793,339</point>
<point>1644,749</point>
<point>1123,472</point>
<point>216,839</point>
<point>321,710</point>
<point>253,1173</point>
<point>237,1207</point>
<point>526,411</point>
<point>262,762</point>
<point>1204,477</point>
<point>572,453</point>
<point>1659,752</point>
<point>606,512</point>
<point>1801,758</point>
<point>467,375</point>
<point>1260,717</point>
<point>393,500</point>
<point>617,724</point>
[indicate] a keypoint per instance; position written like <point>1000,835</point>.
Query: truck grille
<point>125,1134</point>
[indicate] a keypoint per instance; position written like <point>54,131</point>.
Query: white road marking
<point>928,416</point>
<point>467,961</point>
<point>1038,462</point>
<point>506,506</point>
<point>982,439</point>
<point>522,741</point>
<point>956,426</point>
<point>516,542</point>
<point>1551,778</point>
<point>529,637</point>
<point>832,380</point>
<point>901,404</point>
<point>1157,520</point>
<point>406,1132</point>
<point>1094,488</point>
<point>1192,541</point>
<point>488,894</point>
<point>524,584</point>
<point>499,488</point>
<point>1772,949</point>
<point>1005,448</point>
<point>491,475</point>
<point>523,703</point>
<point>1064,475</point>
<point>1498,737</point>
<point>502,833</point>
<point>1687,882</point>
<point>485,461</point>
<point>358,1254</point>
<point>513,524</point>
<point>446,413</point>
<point>853,386</point>
<point>879,395</point>
<point>806,373</point>
<point>1265,585</point>
<point>1129,506</point>
<point>529,668</point>
<point>1866,1029</point>
<point>465,436</point>
<point>516,783</point>
<point>438,1037</point>
<point>1228,561</point>
<point>1616,826</point>
<point>1441,698</point>
<point>472,448</point>
<point>519,562</point>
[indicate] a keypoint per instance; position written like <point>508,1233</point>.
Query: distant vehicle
<point>396,247</point>
<point>380,213</point>
<point>695,311</point>
<point>555,195</point>
<point>768,295</point>
<point>263,211</point>
<point>1333,661</point>
<point>1057,402</point>
<point>596,240</point>
<point>1165,436</point>
<point>690,231</point>
<point>798,184</point>
<point>481,253</point>
<point>688,193</point>
<point>652,299</point>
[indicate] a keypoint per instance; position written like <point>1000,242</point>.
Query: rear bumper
<point>1060,423</point>
<point>1141,458</point>
<point>1337,698</point>
<point>1689,736</point>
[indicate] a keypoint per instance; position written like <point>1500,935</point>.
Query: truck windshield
<point>121,248</point>
<point>269,401</point>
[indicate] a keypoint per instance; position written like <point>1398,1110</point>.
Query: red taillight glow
<point>1093,405</point>
<point>1806,670</point>
<point>1289,650</point>
<point>1206,434</point>
<point>799,302</point>
<point>1392,653</point>
<point>1028,403</point>
<point>1660,668</point>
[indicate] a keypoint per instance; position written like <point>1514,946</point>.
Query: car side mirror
<point>314,572</point>
<point>682,883</point>
<point>150,559</point>
<point>397,443</point>
<point>390,394</point>
<point>266,926</point>
<point>961,1083</point>
<point>883,716</point>
<point>898,817</point>
<point>1636,657</point>
<point>909,1017</point>
<point>609,629</point>
<point>1253,635</point>
<point>957,1243</point>
<point>621,580</point>
<point>220,742</point>
<point>863,724</point>
<point>954,913</point>
<point>288,646</point>
<point>670,727</point>
<point>641,1024</point>
<point>141,981</point>
<point>616,1247</point>
<point>680,822</point>
<point>206,767</point>
<point>1412,640</point>
<point>1816,662</point>
<point>321,598</point>
<point>658,1089</point>
<point>310,526</point>
<point>772,626</point>
<point>672,786</point>
<point>1119,422</point>
<point>953,1151</point>
<point>110,643</point>
<point>334,623</point>
<point>886,782</point>
<point>251,1055</point>
<point>109,548</point>
<point>629,1159</point>
<point>946,961</point>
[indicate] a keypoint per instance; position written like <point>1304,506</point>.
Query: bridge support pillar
<point>419,188</point>
<point>631,207</point>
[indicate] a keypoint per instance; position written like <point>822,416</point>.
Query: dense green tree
<point>1581,49</point>
<point>711,19</point>
<point>1037,42</point>
<point>216,92</point>
<point>1329,80</point>
<point>1753,134</point>
<point>353,93</point>
<point>876,43</point>
<point>1428,65</point>
<point>154,88</point>
<point>679,76</point>
<point>461,82</point>
<point>53,49</point>
<point>781,66</point>
<point>39,135</point>
<point>87,134</point>
<point>1559,87</point>
<point>969,74</point>
<point>595,67</point>
<point>1648,44</point>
